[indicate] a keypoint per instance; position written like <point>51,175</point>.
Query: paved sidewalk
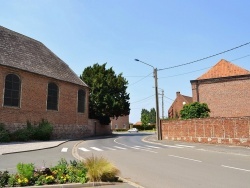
<point>16,147</point>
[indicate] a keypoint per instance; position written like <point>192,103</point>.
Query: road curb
<point>36,149</point>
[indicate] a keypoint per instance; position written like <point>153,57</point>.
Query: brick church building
<point>35,84</point>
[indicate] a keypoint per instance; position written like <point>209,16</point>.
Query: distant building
<point>122,122</point>
<point>177,105</point>
<point>225,88</point>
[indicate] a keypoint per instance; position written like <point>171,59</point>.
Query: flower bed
<point>63,172</point>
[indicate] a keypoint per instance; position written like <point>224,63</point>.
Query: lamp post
<point>159,135</point>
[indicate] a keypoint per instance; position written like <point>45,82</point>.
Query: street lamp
<point>156,100</point>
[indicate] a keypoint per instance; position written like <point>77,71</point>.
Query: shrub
<point>194,110</point>
<point>4,177</point>
<point>43,131</point>
<point>4,134</point>
<point>21,135</point>
<point>99,169</point>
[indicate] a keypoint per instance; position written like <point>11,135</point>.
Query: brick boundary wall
<point>232,131</point>
<point>65,131</point>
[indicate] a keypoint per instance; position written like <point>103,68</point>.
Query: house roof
<point>21,52</point>
<point>188,99</point>
<point>223,69</point>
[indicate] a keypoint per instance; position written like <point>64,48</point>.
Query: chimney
<point>178,93</point>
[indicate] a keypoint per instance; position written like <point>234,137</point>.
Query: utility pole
<point>158,126</point>
<point>157,105</point>
<point>162,102</point>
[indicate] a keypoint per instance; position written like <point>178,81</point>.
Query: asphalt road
<point>152,165</point>
<point>172,164</point>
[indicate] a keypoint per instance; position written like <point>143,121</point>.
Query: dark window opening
<point>52,100</point>
<point>81,100</point>
<point>12,90</point>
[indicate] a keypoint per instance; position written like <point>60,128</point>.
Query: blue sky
<point>162,33</point>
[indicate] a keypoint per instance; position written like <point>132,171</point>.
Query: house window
<point>12,90</point>
<point>81,100</point>
<point>52,100</point>
<point>124,126</point>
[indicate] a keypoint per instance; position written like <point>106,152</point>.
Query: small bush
<point>43,131</point>
<point>4,134</point>
<point>99,169</point>
<point>121,130</point>
<point>141,128</point>
<point>22,135</point>
<point>4,177</point>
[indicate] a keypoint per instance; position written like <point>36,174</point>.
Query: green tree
<point>108,96</point>
<point>152,116</point>
<point>144,118</point>
<point>194,110</point>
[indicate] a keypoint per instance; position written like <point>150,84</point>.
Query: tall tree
<point>108,96</point>
<point>144,118</point>
<point>152,116</point>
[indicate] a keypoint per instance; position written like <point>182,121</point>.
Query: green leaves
<point>148,117</point>
<point>108,96</point>
<point>195,110</point>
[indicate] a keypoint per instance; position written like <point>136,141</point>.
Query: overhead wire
<point>142,99</point>
<point>140,79</point>
<point>204,68</point>
<point>204,57</point>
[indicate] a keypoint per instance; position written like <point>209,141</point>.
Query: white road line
<point>133,147</point>
<point>201,149</point>
<point>235,168</point>
<point>184,158</point>
<point>109,148</point>
<point>83,149</point>
<point>143,149</point>
<point>184,146</point>
<point>153,146</point>
<point>170,146</point>
<point>64,150</point>
<point>119,147</point>
<point>95,148</point>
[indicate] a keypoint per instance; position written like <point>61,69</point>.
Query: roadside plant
<point>4,134</point>
<point>100,169</point>
<point>195,110</point>
<point>4,177</point>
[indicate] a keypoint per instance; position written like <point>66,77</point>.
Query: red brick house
<point>35,84</point>
<point>177,105</point>
<point>226,90</point>
<point>122,122</point>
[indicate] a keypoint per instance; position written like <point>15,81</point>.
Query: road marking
<point>83,149</point>
<point>184,158</point>
<point>95,148</point>
<point>201,149</point>
<point>170,146</point>
<point>133,147</point>
<point>119,147</point>
<point>184,146</point>
<point>143,149</point>
<point>109,148</point>
<point>64,150</point>
<point>153,147</point>
<point>235,168</point>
